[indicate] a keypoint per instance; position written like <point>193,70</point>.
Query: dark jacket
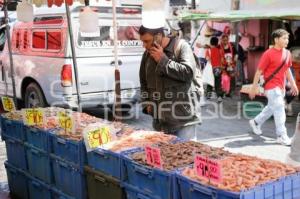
<point>168,87</point>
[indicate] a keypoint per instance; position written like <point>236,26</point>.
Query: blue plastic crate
<point>17,181</point>
<point>69,150</point>
<point>38,138</point>
<point>56,194</point>
<point>286,187</point>
<point>152,181</point>
<point>134,193</point>
<point>38,189</point>
<point>105,161</point>
<point>39,164</point>
<point>16,153</point>
<point>69,180</point>
<point>2,124</point>
<point>14,129</point>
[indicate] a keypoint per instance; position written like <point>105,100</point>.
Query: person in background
<point>229,58</point>
<point>271,60</point>
<point>168,93</point>
<point>213,55</point>
<point>202,43</point>
<point>240,62</point>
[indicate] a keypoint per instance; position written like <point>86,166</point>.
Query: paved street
<point>217,130</point>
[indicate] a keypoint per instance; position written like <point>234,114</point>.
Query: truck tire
<point>34,96</point>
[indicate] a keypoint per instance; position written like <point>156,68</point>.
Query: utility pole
<point>193,4</point>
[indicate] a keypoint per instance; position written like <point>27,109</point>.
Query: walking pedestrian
<point>274,66</point>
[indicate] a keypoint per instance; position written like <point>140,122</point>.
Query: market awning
<point>240,15</point>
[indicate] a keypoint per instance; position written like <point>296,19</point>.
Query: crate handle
<point>11,141</point>
<point>13,171</point>
<point>34,183</point>
<point>61,141</point>
<point>144,171</point>
<point>140,196</point>
<point>9,122</point>
<point>100,179</point>
<point>204,190</point>
<point>101,153</point>
<point>63,164</point>
<point>33,130</point>
<point>34,151</point>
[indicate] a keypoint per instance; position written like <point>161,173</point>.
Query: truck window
<point>127,36</point>
<point>54,40</point>
<point>39,40</point>
<point>25,40</point>
<point>2,39</point>
<point>18,40</point>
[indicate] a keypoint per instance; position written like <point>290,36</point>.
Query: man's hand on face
<point>156,52</point>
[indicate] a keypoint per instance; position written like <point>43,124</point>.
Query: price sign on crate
<point>33,117</point>
<point>66,121</point>
<point>99,137</point>
<point>8,104</point>
<point>153,157</point>
<point>208,168</point>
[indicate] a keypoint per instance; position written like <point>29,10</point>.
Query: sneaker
<point>284,140</point>
<point>255,128</point>
<point>220,99</point>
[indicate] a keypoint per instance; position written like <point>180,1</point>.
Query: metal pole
<point>12,71</point>
<point>117,105</point>
<point>193,4</point>
<point>73,57</point>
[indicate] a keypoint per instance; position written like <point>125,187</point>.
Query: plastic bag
<point>225,81</point>
<point>208,75</point>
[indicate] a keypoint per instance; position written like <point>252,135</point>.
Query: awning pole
<point>12,71</point>
<point>74,57</point>
<point>117,105</point>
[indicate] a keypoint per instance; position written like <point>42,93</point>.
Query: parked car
<point>44,71</point>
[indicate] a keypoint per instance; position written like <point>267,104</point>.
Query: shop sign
<point>153,157</point>
<point>8,104</point>
<point>34,116</point>
<point>208,168</point>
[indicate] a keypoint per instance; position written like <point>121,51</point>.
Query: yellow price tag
<point>33,117</point>
<point>99,137</point>
<point>65,121</point>
<point>8,104</point>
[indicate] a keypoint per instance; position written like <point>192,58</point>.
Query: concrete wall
<point>214,5</point>
<point>268,4</point>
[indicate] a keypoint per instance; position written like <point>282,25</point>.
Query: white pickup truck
<point>44,71</point>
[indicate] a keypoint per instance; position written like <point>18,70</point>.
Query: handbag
<point>260,90</point>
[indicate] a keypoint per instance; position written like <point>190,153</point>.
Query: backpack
<point>197,79</point>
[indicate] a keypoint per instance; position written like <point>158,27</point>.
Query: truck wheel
<point>34,97</point>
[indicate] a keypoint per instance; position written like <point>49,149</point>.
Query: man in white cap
<point>167,88</point>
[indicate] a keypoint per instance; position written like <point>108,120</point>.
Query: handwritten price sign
<point>66,121</point>
<point>153,157</point>
<point>99,137</point>
<point>208,168</point>
<point>8,104</point>
<point>33,117</point>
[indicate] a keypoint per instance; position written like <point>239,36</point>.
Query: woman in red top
<point>229,57</point>
<point>213,55</point>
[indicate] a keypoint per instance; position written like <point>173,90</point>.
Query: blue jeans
<point>274,107</point>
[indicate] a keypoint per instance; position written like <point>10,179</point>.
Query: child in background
<point>213,55</point>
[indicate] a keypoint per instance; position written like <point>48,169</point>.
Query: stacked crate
<point>42,165</point>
